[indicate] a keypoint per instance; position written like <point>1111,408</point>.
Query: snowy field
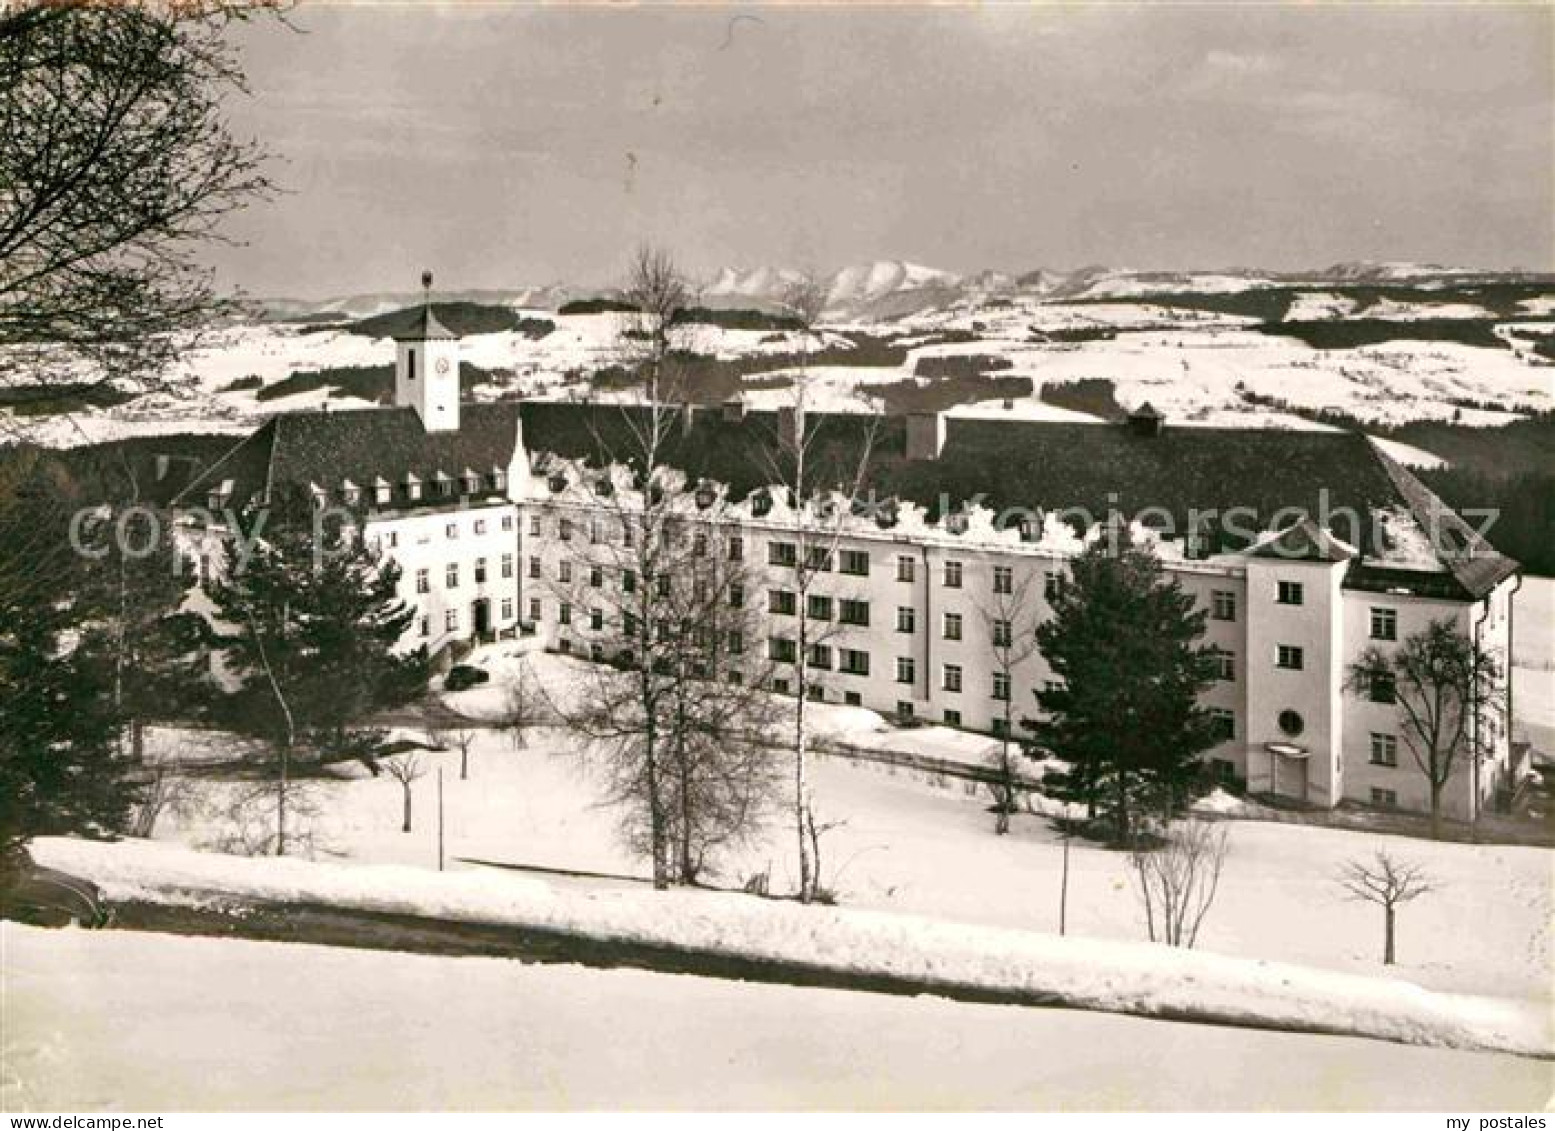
<point>905,844</point>
<point>128,1022</point>
<point>1193,365</point>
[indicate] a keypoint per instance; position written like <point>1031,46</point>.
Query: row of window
<point>451,619</point>
<point>391,538</point>
<point>451,574</point>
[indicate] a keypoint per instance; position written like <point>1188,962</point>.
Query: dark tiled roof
<point>328,448</point>
<point>421,324</point>
<point>1304,541</point>
<point>1266,477</point>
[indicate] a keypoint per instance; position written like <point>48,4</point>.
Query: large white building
<point>1305,548</point>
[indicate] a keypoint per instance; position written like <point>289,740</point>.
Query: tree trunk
<point>405,828</point>
<point>1387,936</point>
<point>464,762</point>
<point>138,740</point>
<point>1063,887</point>
<point>282,788</point>
<point>1436,811</point>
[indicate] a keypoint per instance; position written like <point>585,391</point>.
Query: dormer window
<point>603,487</point>
<point>445,484</point>
<point>470,481</point>
<point>706,496</point>
<point>318,495</point>
<point>381,491</point>
<point>557,483</point>
<point>350,493</point>
<point>219,496</point>
<point>412,487</point>
<point>761,503</point>
<point>955,523</point>
<point>499,479</point>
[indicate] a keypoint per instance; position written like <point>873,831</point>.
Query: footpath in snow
<point>1086,973</point>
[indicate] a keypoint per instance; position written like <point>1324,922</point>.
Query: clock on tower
<point>426,369</point>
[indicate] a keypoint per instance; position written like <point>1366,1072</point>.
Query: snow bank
<point>1086,973</point>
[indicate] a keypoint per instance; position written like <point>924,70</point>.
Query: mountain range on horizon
<point>887,288</point>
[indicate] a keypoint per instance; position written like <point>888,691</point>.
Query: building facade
<point>502,517</point>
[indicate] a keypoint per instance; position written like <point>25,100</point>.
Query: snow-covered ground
<point>1193,365</point>
<point>909,844</point>
<point>117,1021</point>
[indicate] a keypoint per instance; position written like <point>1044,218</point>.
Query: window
<point>853,662</point>
<point>734,678</point>
<point>1384,624</point>
<point>662,584</point>
<point>596,577</point>
<point>451,576</point>
<point>629,625</point>
<point>410,363</point>
<point>1050,584</point>
<point>781,602</point>
<point>852,698</point>
<point>1384,798</point>
<point>855,562</point>
<point>451,620</point>
<point>818,558</point>
<point>736,548</point>
<point>507,519</point>
<point>507,565</point>
<point>820,656</point>
<point>1223,769</point>
<point>906,568</point>
<point>853,612</point>
<point>536,610</point>
<point>1223,724</point>
<point>507,608</point>
<point>1382,687</point>
<point>534,568</point>
<point>451,530</point>
<point>1003,579</point>
<point>628,581</point>
<point>564,571</point>
<point>783,651</point>
<point>736,642</point>
<point>1223,604</point>
<point>1225,664</point>
<point>952,718</point>
<point>1001,686</point>
<point>1289,657</point>
<point>534,526</point>
<point>1291,722</point>
<point>425,626</point>
<point>564,529</point>
<point>780,686</point>
<point>952,575</point>
<point>596,620</point>
<point>392,539</point>
<point>1290,593</point>
<point>818,607</point>
<point>699,545</point>
<point>596,652</point>
<point>782,554</point>
<point>1002,634</point>
<point>952,680</point>
<point>904,709</point>
<point>1384,749</point>
<point>1001,727</point>
<point>952,626</point>
<point>906,670</point>
<point>906,619</point>
<point>736,596</point>
<point>480,526</point>
<point>480,571</point>
<point>564,613</point>
<point>815,693</point>
<point>423,583</point>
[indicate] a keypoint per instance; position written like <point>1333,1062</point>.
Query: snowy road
<point>148,1022</point>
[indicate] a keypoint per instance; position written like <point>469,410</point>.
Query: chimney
<point>790,426</point>
<point>734,409</point>
<point>925,435</point>
<point>1146,420</point>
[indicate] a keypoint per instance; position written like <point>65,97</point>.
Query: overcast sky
<point>505,145</point>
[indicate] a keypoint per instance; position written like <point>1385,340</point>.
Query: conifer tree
<point>1123,641</point>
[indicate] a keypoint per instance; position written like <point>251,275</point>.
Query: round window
<point>1291,723</point>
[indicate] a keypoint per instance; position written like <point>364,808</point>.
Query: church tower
<point>426,367</point>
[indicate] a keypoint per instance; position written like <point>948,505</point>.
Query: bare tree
<point>651,578</point>
<point>1177,880</point>
<point>119,162</point>
<point>404,768</point>
<point>1387,883</point>
<point>1010,620</point>
<point>1449,691</point>
<point>822,483</point>
<point>523,704</point>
